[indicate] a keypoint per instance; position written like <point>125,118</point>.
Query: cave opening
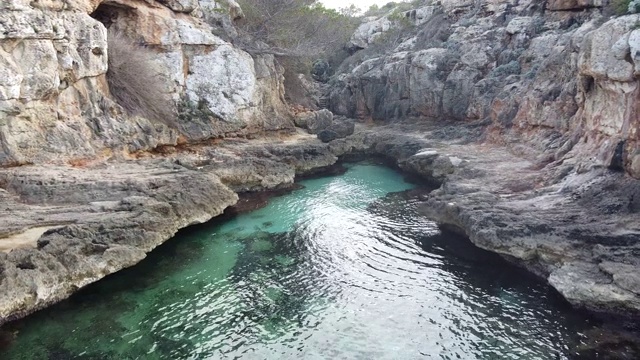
<point>110,14</point>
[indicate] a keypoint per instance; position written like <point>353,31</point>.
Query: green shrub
<point>303,28</point>
<point>511,68</point>
<point>620,7</point>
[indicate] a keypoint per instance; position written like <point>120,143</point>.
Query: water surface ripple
<point>341,269</point>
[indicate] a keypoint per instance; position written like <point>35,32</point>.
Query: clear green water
<point>337,270</point>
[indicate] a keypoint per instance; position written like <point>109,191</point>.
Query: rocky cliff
<point>523,113</point>
<point>55,103</point>
<point>558,79</point>
<point>75,204</point>
<point>555,83</point>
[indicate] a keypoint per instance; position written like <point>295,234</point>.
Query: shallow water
<point>335,270</point>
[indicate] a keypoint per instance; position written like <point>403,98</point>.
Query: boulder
<point>340,128</point>
<point>314,121</point>
<point>327,136</point>
<point>431,165</point>
<point>369,31</point>
<point>520,24</point>
<point>185,6</point>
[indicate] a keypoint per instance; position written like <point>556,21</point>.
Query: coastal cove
<point>319,272</point>
<point>278,179</point>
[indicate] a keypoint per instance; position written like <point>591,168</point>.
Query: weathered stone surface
<point>597,59</point>
<point>519,25</point>
<point>529,74</point>
<point>185,6</point>
<point>54,99</point>
<point>431,165</point>
<point>327,135</point>
<point>369,31</point>
<point>106,216</point>
<point>225,79</point>
<point>340,128</point>
<point>109,219</point>
<point>314,121</point>
<point>564,5</point>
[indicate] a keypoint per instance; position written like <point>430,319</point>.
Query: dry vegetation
<point>136,81</point>
<point>297,32</point>
<point>299,28</point>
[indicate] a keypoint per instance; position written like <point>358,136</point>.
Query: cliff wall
<point>55,103</point>
<point>555,80</point>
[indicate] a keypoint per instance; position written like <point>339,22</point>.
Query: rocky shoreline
<point>526,125</point>
<point>101,218</point>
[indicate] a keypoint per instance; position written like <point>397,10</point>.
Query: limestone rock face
<point>85,222</point>
<point>609,90</point>
<point>564,5</point>
<point>369,31</point>
<point>55,103</point>
<point>185,6</point>
<point>526,72</point>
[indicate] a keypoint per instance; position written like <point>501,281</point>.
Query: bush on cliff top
<point>136,82</point>
<point>297,32</point>
<point>301,28</point>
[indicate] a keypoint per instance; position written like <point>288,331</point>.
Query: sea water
<point>345,268</point>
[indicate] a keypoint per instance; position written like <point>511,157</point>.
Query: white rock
<point>367,32</point>
<point>475,59</point>
<point>39,67</point>
<point>602,60</point>
<point>185,6</point>
<point>10,77</point>
<point>426,152</point>
<point>30,24</point>
<point>83,52</point>
<point>191,34</point>
<point>620,48</point>
<point>455,161</point>
<point>520,24</point>
<point>225,79</point>
<point>634,50</point>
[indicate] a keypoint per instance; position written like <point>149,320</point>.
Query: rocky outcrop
<point>54,98</point>
<point>67,226</point>
<point>340,128</point>
<point>584,244</point>
<point>370,30</point>
<point>554,83</point>
<point>325,125</point>
<point>560,84</point>
<point>314,121</point>
<point>526,123</point>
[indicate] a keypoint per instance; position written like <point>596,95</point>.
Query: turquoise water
<point>340,269</point>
